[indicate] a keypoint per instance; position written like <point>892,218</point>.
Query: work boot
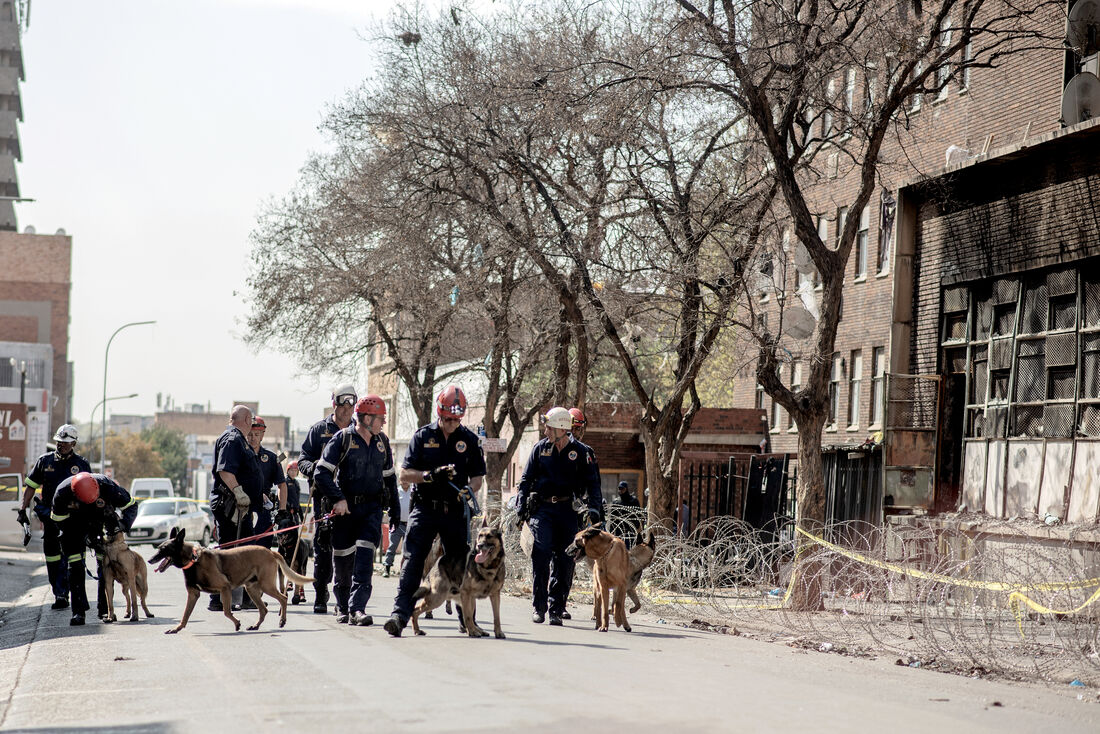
<point>215,605</point>
<point>538,617</point>
<point>361,620</point>
<point>60,603</point>
<point>394,625</point>
<point>341,617</point>
<point>566,615</point>
<point>555,620</point>
<point>320,604</point>
<point>385,572</point>
<point>77,620</point>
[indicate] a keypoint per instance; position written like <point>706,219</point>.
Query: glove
<point>470,499</point>
<point>442,473</point>
<point>21,516</point>
<point>243,503</point>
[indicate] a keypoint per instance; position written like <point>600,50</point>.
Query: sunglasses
<point>451,420</point>
<point>345,400</point>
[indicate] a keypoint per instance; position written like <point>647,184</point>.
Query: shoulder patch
<point>460,446</point>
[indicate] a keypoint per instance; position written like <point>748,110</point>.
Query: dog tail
<point>290,574</point>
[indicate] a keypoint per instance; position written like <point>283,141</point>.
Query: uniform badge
<point>431,444</point>
<point>74,470</point>
<point>460,446</point>
<point>572,455</point>
<point>326,434</point>
<point>48,468</point>
<point>381,447</point>
<point>100,503</point>
<point>263,457</point>
<point>545,452</point>
<point>353,445</point>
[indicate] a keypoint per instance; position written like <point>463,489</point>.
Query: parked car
<point>157,517</point>
<point>144,487</point>
<point>11,493</point>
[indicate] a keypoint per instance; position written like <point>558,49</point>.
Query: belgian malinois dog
<point>611,570</point>
<point>251,566</point>
<point>478,575</point>
<point>128,568</point>
<point>641,556</point>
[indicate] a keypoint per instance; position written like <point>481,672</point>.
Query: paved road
<point>131,677</point>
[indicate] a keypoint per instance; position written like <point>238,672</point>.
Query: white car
<point>156,517</point>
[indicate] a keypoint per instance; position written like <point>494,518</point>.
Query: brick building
<point>980,129</point>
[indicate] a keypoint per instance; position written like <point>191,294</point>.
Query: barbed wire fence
<point>940,598</point>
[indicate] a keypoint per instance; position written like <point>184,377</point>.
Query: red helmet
<point>370,405</point>
<point>292,465</point>
<point>85,487</point>
<point>258,422</point>
<point>451,402</point>
<point>578,417</point>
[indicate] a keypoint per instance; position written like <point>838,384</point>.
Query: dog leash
<point>272,532</point>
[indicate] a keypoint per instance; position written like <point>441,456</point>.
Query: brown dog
<point>128,568</point>
<point>611,570</point>
<point>641,556</point>
<point>478,575</point>
<point>251,566</point>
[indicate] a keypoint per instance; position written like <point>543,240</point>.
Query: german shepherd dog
<point>611,570</point>
<point>641,556</point>
<point>480,574</point>
<point>251,566</point>
<point>128,568</point>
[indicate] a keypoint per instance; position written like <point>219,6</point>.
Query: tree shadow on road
<point>158,727</point>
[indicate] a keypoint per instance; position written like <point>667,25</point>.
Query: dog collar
<point>191,563</point>
<point>610,548</point>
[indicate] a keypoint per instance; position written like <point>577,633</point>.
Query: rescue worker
<point>273,482</point>
<point>238,487</point>
<point>559,471</point>
<point>629,518</point>
<point>580,423</point>
<point>399,525</point>
<point>442,457</point>
<point>48,472</point>
<point>320,433</point>
<point>291,516</point>
<point>357,477</point>
<point>85,505</point>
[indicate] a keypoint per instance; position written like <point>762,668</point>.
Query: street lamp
<point>91,421</point>
<point>21,365</point>
<point>103,423</point>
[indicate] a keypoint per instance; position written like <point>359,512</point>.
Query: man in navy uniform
<point>272,479</point>
<point>48,472</point>
<point>320,433</point>
<point>84,506</point>
<point>559,472</point>
<point>442,457</point>
<point>237,487</point>
<point>357,476</point>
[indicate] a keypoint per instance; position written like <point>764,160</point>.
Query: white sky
<point>152,133</point>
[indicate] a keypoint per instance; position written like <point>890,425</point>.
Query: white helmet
<point>67,432</point>
<point>339,395</point>
<point>559,418</point>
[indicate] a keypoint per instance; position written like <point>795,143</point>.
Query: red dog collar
<point>191,563</point>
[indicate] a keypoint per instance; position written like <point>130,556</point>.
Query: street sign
<point>494,445</point>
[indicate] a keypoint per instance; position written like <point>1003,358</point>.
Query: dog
<point>478,575</point>
<point>641,556</point>
<point>611,570</point>
<point>296,555</point>
<point>251,566</point>
<point>122,564</point>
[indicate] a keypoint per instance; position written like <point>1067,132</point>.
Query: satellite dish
<point>802,261</point>
<point>798,322</point>
<point>1083,28</point>
<point>1081,100</point>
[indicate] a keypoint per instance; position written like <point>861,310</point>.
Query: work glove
<point>442,473</point>
<point>243,503</point>
<point>470,499</point>
<point>21,516</point>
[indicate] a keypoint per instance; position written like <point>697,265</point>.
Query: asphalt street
<point>131,677</point>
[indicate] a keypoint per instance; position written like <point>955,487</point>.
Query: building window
<point>796,385</point>
<point>870,90</point>
<point>841,218</point>
<point>878,384</point>
<point>777,415</point>
<point>968,56</point>
<point>861,242</point>
<point>834,391</point>
<point>916,101</point>
<point>943,73</point>
<point>759,397</point>
<point>887,209</point>
<point>827,113</point>
<point>855,380</point>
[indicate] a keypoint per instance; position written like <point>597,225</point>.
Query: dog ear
<point>484,521</point>
<point>181,534</point>
<point>172,535</point>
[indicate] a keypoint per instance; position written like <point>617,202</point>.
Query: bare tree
<point>781,66</point>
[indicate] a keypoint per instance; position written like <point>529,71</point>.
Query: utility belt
<point>441,501</point>
<point>361,499</point>
<point>555,499</point>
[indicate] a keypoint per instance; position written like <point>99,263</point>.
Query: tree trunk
<point>496,464</point>
<point>810,493</point>
<point>661,503</point>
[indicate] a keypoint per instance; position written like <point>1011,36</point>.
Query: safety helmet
<point>258,422</point>
<point>85,487</point>
<point>559,417</point>
<point>370,405</point>
<point>578,417</point>
<point>66,433</point>
<point>451,402</point>
<point>624,485</point>
<point>340,396</point>
<point>292,465</point>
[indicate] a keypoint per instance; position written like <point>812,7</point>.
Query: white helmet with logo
<point>559,418</point>
<point>66,433</point>
<point>344,395</point>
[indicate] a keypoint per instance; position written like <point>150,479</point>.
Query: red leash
<point>271,532</point>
